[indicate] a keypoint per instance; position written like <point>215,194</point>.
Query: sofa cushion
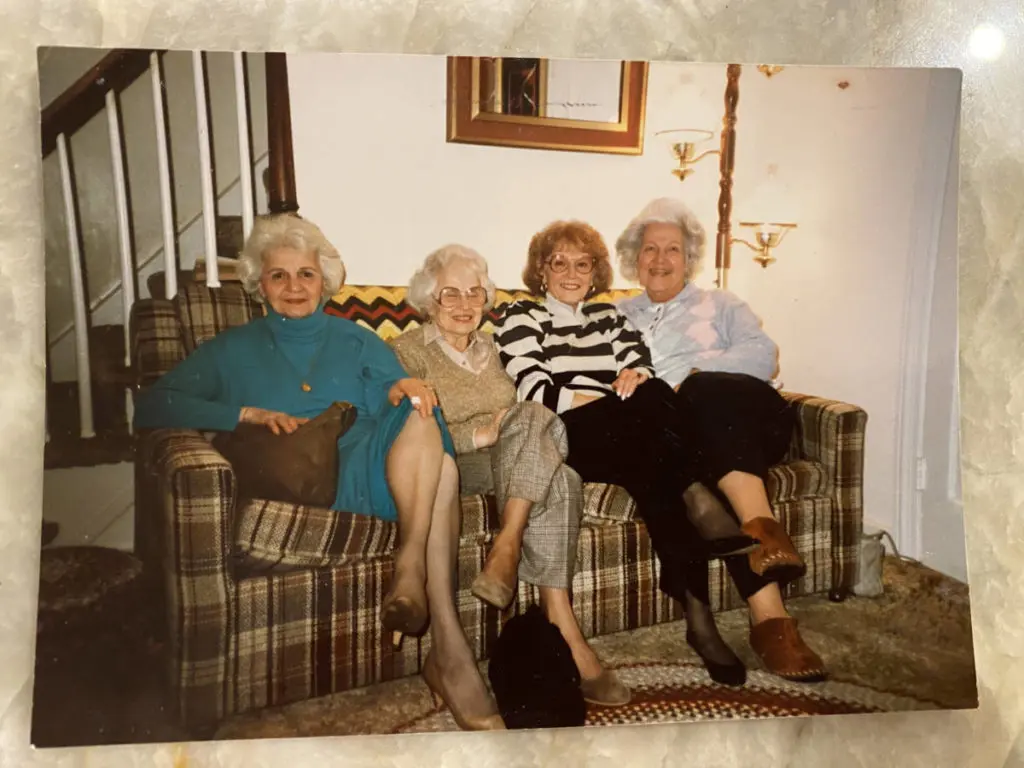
<point>480,519</point>
<point>792,481</point>
<point>273,536</point>
<point>277,536</point>
<point>605,502</point>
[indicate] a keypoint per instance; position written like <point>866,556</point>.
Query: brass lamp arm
<point>702,155</point>
<point>751,246</point>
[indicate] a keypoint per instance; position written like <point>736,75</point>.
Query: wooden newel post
<point>281,187</point>
<point>727,159</point>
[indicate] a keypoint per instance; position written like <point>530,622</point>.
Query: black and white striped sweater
<point>552,351</point>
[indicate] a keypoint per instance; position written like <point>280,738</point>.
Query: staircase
<point>88,418</point>
<point>111,379</point>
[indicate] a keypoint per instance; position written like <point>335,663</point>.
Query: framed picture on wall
<point>561,104</point>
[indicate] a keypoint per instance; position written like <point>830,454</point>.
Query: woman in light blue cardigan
<point>710,348</point>
<point>396,461</point>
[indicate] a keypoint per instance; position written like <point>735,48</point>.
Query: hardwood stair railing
<point>98,89</point>
<point>86,97</point>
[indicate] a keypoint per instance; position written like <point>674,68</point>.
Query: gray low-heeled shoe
<point>606,690</point>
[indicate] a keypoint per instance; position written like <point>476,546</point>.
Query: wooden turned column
<point>723,242</point>
<point>281,186</point>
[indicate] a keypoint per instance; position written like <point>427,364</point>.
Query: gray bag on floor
<point>869,564</point>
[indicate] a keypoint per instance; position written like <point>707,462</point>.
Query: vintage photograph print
<point>394,394</point>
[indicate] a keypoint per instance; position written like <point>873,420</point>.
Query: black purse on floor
<point>533,675</point>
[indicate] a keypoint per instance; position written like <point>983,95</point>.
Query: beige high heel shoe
<point>401,615</point>
<point>493,587</point>
<point>432,677</point>
<point>606,690</point>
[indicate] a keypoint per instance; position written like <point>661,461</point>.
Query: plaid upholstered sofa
<point>268,603</point>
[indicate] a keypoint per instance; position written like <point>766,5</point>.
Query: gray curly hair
<point>423,284</point>
<point>287,230</point>
<point>664,210</point>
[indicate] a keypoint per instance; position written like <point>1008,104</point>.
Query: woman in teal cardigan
<point>396,461</point>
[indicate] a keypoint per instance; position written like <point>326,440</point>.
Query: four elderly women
<point>667,395</point>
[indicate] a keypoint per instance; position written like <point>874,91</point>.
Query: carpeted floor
<point>98,676</point>
<point>908,649</point>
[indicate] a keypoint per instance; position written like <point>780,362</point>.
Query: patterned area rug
<point>909,649</point>
<point>683,693</point>
<point>77,577</point>
<point>100,676</point>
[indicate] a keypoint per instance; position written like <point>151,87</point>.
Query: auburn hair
<point>562,233</point>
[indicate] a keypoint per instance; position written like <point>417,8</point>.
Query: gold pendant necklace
<point>305,386</point>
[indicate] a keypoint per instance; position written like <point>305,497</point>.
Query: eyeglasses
<point>561,263</point>
<point>450,297</point>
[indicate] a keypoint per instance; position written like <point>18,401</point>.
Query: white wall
<point>842,163</point>
<point>374,170</point>
<point>941,521</point>
<point>90,153</point>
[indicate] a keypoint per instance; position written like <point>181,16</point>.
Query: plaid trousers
<point>528,462</point>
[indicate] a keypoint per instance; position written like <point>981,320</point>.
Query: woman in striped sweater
<point>587,363</point>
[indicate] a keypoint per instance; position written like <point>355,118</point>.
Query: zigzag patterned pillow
<point>383,309</point>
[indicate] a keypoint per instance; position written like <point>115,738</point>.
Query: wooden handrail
<point>85,97</point>
<point>281,177</point>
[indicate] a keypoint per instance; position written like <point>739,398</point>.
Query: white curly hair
<point>664,210</point>
<point>423,284</point>
<point>287,230</point>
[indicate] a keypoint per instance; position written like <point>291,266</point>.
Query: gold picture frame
<point>474,113</point>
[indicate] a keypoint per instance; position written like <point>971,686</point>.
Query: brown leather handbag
<point>300,468</point>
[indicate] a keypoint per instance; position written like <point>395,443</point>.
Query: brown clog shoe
<point>784,653</point>
<point>776,557</point>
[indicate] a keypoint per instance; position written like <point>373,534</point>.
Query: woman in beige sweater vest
<point>515,450</point>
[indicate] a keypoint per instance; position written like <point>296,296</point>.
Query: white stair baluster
<point>121,211</point>
<point>206,171</point>
<point>81,326</point>
<point>129,408</point>
<point>163,164</point>
<point>244,160</point>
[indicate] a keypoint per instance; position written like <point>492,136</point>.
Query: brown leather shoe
<point>776,557</point>
<point>784,653</point>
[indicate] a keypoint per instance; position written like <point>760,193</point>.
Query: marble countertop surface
<point>865,32</point>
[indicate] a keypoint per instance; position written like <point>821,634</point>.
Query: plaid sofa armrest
<point>156,343</point>
<point>831,433</point>
<point>197,489</point>
<point>193,520</point>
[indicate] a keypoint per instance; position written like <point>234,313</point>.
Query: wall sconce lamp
<point>683,143</point>
<point>767,235</point>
